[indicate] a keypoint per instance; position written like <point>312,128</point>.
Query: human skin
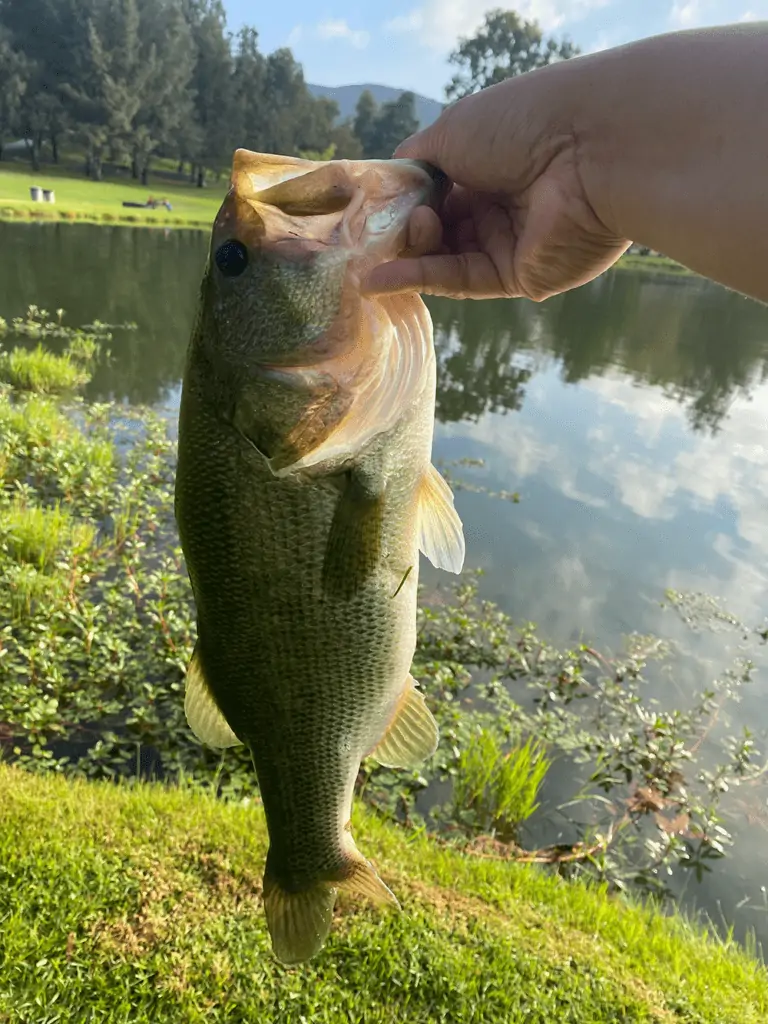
<point>663,142</point>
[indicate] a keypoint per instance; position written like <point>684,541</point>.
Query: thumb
<point>442,144</point>
<point>427,144</point>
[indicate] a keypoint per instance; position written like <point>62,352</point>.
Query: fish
<point>304,492</point>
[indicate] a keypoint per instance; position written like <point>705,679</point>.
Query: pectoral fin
<point>354,543</point>
<point>412,735</point>
<point>399,327</point>
<point>441,535</point>
<point>203,716</point>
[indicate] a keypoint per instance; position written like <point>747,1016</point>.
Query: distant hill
<point>346,96</point>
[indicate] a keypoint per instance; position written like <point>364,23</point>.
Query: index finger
<point>468,275</point>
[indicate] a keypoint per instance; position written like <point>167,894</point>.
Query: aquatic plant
<point>39,370</point>
<point>495,790</point>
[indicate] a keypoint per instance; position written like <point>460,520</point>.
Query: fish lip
<point>441,183</point>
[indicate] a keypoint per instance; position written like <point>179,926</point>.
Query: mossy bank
<point>142,904</point>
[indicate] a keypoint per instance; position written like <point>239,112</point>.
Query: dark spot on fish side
<point>231,258</point>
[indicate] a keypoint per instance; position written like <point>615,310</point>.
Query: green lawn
<point>657,264</point>
<point>142,904</point>
<point>77,198</point>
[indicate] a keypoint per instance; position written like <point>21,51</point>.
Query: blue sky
<point>405,43</point>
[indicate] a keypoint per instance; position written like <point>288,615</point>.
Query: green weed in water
<point>40,371</point>
<point>496,790</point>
<point>40,536</point>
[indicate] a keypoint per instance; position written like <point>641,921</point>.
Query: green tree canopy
<point>14,78</point>
<point>381,129</point>
<point>126,81</point>
<point>506,45</point>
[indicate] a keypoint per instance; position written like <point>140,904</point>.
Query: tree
<point>132,79</point>
<point>14,76</point>
<point>249,100</point>
<point>313,123</point>
<point>393,122</point>
<point>285,90</point>
<point>365,118</point>
<point>346,144</point>
<point>49,34</point>
<point>505,46</point>
<point>167,107</point>
<point>114,68</point>
<point>212,83</point>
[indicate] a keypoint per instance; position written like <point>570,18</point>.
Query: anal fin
<point>203,715</point>
<point>412,735</point>
<point>441,535</point>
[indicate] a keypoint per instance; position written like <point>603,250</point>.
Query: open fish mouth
<point>360,208</point>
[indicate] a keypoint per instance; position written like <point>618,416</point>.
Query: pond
<point>629,415</point>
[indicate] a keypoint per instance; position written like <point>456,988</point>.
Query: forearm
<point>672,136</point>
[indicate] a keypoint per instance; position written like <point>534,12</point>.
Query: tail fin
<point>299,922</point>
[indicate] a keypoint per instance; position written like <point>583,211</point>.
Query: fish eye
<point>231,258</point>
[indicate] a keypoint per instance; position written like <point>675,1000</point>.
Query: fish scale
<point>301,535</point>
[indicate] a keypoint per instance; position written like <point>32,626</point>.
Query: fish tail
<point>299,922</point>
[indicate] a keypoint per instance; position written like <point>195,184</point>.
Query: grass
<point>78,199</point>
<point>653,264</point>
<point>142,903</point>
<point>500,787</point>
<point>41,370</point>
<point>38,536</point>
<point>41,544</point>
<point>33,427</point>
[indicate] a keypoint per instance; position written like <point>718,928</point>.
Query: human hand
<point>518,221</point>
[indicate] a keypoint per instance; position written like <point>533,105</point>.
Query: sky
<point>405,43</point>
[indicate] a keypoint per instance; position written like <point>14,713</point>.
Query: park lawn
<point>142,904</point>
<point>658,264</point>
<point>77,198</point>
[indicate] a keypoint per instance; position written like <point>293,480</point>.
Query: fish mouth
<point>301,208</point>
<point>435,183</point>
<point>441,183</point>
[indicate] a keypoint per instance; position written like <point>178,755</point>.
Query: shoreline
<point>135,219</point>
<point>24,215</point>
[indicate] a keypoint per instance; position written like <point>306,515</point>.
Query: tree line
<point>127,81</point>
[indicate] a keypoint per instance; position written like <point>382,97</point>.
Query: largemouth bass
<point>304,493</point>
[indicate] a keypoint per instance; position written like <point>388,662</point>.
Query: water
<point>630,415</point>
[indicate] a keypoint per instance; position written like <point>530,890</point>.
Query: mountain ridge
<point>427,109</point>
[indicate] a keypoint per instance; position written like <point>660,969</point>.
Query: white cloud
<point>332,28</point>
<point>700,13</point>
<point>441,23</point>
<point>603,41</point>
<point>339,28</point>
<point>413,21</point>
<point>686,15</point>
